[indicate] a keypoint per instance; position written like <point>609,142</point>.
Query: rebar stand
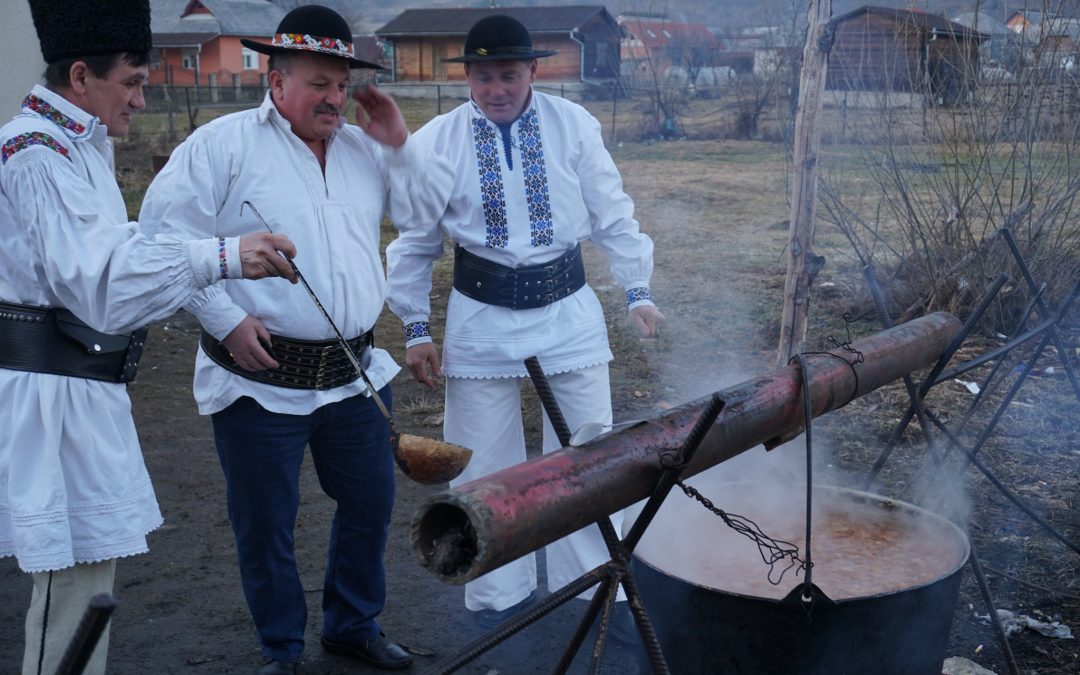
<point>1046,331</point>
<point>610,575</point>
<point>87,634</point>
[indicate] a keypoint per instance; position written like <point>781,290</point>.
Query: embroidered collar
<point>77,124</point>
<point>533,170</point>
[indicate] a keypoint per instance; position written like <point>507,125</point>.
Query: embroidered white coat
<point>73,486</point>
<point>584,201</point>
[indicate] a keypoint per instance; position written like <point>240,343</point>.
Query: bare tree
<point>923,193</point>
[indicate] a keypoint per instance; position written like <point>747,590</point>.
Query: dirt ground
<point>716,212</point>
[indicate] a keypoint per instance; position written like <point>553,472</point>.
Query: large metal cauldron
<point>891,572</point>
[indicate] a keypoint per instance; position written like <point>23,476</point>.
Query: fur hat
<point>498,38</point>
<point>315,29</point>
<point>91,27</point>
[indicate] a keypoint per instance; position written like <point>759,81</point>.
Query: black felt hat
<point>91,27</point>
<point>498,38</point>
<point>314,29</point>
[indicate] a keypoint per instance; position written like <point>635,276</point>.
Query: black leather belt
<point>51,340</point>
<point>525,287</point>
<point>303,364</point>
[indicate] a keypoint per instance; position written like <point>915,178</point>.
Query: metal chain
<point>772,551</point>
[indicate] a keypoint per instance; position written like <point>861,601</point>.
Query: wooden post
<point>802,264</point>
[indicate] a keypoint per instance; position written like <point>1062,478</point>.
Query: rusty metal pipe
<point>465,532</point>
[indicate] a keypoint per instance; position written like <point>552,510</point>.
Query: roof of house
<point>213,17</point>
<point>660,32</point>
<point>927,22</point>
<point>983,22</point>
<point>458,21</point>
<point>1061,26</point>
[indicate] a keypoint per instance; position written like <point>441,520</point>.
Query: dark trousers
<point>261,453</point>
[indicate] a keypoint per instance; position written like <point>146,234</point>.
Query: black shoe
<point>277,668</point>
<point>490,618</point>
<point>377,652</point>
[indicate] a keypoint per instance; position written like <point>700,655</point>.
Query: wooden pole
<point>802,264</point>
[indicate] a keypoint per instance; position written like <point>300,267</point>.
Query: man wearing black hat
<point>532,181</point>
<point>74,492</point>
<point>269,370</point>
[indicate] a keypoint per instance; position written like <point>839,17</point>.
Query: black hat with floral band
<point>313,29</point>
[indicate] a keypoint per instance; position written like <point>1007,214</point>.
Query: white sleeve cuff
<point>212,260</point>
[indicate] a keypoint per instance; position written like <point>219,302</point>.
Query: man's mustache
<point>327,108</point>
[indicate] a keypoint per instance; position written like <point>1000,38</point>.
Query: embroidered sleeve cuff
<point>417,333</point>
<point>635,297</point>
<point>213,260</point>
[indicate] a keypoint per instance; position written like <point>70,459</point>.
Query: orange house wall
<point>222,56</point>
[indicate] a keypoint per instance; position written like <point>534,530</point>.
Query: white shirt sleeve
<point>614,228</point>
<point>107,273</point>
<point>183,201</point>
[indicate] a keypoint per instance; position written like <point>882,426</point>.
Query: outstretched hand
<point>265,255</point>
<point>379,116</point>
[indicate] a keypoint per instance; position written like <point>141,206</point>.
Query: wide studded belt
<point>52,340</point>
<point>526,287</point>
<point>303,364</point>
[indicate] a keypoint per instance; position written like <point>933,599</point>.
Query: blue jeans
<point>261,453</point>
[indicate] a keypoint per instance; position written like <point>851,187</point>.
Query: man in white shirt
<point>269,370</point>
<point>532,181</point>
<point>77,280</point>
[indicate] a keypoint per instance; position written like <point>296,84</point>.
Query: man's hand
<point>423,362</point>
<point>264,255</point>
<point>646,319</point>
<point>379,116</point>
<point>248,343</point>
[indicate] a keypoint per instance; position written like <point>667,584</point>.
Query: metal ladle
<point>424,460</point>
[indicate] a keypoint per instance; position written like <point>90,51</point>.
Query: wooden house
<point>586,38</point>
<point>197,42</point>
<point>883,49</point>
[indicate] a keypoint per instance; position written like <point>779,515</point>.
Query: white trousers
<point>484,415</point>
<point>68,593</point>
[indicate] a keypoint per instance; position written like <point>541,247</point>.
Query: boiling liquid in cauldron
<point>861,546</point>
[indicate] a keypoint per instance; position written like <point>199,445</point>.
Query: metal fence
<point>164,97</point>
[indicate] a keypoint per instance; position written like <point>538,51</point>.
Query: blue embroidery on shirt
<point>635,294</point>
<point>417,329</point>
<point>536,184</point>
<point>491,187</point>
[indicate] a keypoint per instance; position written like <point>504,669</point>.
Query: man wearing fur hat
<point>532,181</point>
<point>74,492</point>
<point>326,184</point>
